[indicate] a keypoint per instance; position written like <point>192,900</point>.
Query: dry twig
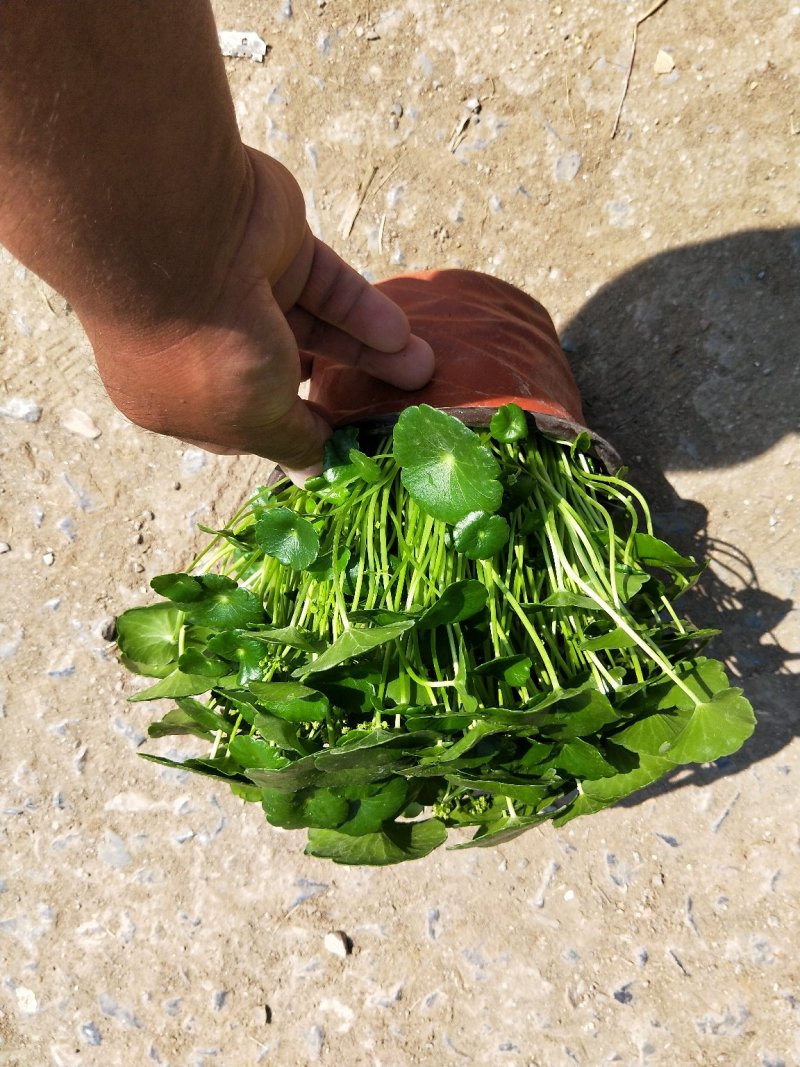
<point>356,201</point>
<point>643,18</point>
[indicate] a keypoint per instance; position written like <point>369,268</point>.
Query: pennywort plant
<point>451,629</point>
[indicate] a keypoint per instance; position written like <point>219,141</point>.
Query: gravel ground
<point>147,918</point>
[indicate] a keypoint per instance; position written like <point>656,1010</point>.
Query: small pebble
<point>48,559</point>
<point>4,547</point>
<point>194,459</point>
<point>21,409</point>
<point>338,944</point>
<point>567,166</point>
<point>26,1000</point>
<point>90,1034</point>
<point>664,63</point>
<point>81,424</point>
<point>242,44</point>
<point>262,1015</point>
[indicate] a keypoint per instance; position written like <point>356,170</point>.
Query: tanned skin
<point>185,254</point>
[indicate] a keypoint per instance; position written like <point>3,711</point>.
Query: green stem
<point>531,631</point>
<point>652,652</point>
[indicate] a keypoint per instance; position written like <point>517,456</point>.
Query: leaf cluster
<point>460,630</point>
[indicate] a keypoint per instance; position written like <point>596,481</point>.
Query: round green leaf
<point>394,844</point>
<point>509,424</point>
<point>337,448</point>
<point>480,536</point>
<point>718,727</point>
<point>445,468</point>
<point>224,603</point>
<point>246,651</point>
<point>211,599</point>
<point>148,637</point>
<point>288,537</point>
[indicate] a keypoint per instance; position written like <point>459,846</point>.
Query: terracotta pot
<point>493,344</point>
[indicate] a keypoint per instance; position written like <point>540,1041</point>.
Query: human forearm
<point>123,181</point>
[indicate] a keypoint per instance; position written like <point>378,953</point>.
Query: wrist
<point>172,281</point>
<point>230,255</point>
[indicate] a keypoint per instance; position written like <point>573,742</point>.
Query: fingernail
<point>301,477</point>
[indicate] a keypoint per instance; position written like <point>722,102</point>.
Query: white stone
<point>194,459</point>
<point>243,44</point>
<point>21,409</point>
<point>337,943</point>
<point>81,424</point>
<point>26,1000</point>
<point>664,63</point>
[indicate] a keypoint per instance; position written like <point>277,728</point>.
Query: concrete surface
<point>147,918</point>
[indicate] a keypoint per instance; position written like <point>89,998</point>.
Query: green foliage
<point>396,842</point>
<point>148,639</point>
<point>445,467</point>
<point>474,628</point>
<point>480,536</point>
<point>288,537</point>
<point>509,424</point>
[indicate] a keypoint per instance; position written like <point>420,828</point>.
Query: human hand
<point>226,377</point>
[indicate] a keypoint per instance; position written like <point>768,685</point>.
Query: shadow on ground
<point>689,361</point>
